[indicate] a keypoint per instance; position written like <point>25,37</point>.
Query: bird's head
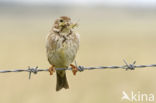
<point>63,24</point>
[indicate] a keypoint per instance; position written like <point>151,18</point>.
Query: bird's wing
<point>51,41</point>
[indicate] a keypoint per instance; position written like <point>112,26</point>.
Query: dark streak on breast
<point>64,39</point>
<point>67,36</point>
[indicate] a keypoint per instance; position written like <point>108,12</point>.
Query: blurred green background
<point>109,33</point>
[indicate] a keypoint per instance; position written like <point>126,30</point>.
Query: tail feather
<point>61,80</point>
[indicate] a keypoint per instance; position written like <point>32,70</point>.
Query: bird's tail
<point>61,80</point>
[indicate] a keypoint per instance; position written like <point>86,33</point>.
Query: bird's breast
<point>65,52</point>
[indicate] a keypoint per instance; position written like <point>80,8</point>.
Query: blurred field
<point>108,35</point>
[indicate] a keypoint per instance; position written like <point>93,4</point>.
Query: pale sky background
<point>85,2</point>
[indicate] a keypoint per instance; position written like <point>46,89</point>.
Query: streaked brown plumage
<point>62,46</point>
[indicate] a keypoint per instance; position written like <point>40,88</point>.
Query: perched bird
<point>62,45</point>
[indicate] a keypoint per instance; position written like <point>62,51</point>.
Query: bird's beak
<point>62,24</point>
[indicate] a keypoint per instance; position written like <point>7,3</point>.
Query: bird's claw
<point>51,70</point>
<point>74,69</point>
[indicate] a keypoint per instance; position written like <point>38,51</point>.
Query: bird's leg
<point>51,69</point>
<point>74,69</point>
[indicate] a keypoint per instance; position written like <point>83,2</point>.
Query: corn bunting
<point>62,46</point>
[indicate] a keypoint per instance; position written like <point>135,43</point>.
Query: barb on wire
<point>129,66</point>
<point>35,70</point>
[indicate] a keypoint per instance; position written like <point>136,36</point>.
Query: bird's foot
<point>51,70</point>
<point>74,69</point>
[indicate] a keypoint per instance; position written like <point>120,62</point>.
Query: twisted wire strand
<point>35,70</point>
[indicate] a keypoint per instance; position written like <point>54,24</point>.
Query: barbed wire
<point>35,70</point>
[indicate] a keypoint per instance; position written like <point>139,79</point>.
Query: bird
<point>62,44</point>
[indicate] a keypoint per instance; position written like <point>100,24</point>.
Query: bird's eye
<point>61,20</point>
